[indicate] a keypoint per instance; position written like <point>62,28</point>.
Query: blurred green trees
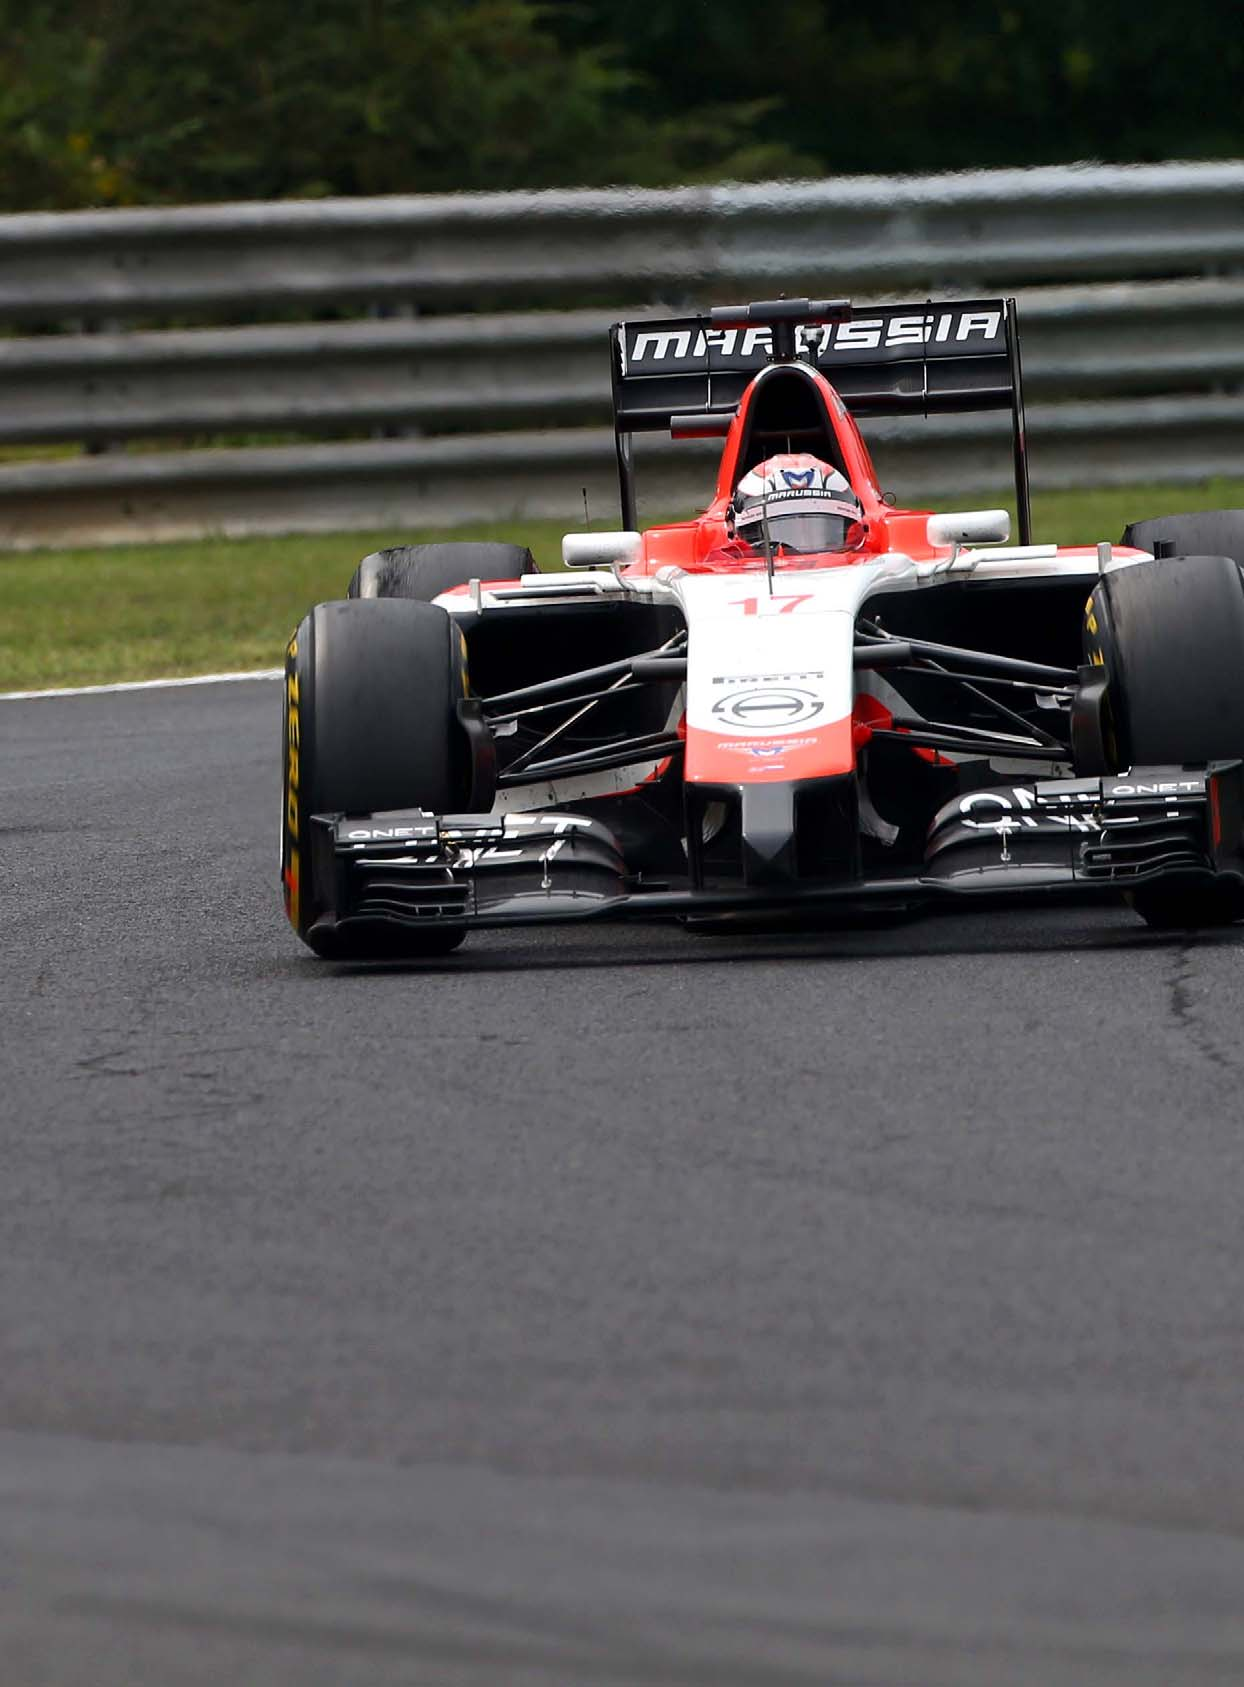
<point>106,102</point>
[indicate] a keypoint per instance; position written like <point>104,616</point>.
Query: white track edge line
<point>142,685</point>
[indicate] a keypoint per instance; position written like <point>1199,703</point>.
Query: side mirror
<point>970,527</point>
<point>601,550</point>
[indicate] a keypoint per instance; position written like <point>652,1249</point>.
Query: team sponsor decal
<point>1021,806</point>
<point>821,750</point>
<point>519,828</point>
<point>938,331</point>
<point>1079,808</point>
<point>767,749</point>
<point>558,824</point>
<point>1159,788</point>
<point>384,834</point>
<point>767,679</point>
<point>774,706</point>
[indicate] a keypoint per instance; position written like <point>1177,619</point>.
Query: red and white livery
<point>804,699</point>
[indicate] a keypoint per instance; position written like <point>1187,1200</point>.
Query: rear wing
<point>689,373</point>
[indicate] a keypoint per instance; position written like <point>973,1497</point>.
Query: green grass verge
<point>123,612</point>
<point>78,617</point>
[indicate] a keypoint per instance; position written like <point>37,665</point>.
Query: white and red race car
<point>787,708</point>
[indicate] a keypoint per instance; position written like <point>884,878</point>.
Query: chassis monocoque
<point>664,730</point>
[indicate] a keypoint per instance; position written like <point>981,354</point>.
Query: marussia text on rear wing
<point>928,358</point>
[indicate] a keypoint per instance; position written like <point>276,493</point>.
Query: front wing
<point>415,870</point>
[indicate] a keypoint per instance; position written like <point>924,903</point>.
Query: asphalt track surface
<point>609,1307</point>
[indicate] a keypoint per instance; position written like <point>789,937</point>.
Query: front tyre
<point>1189,905</point>
<point>369,723</point>
<point>1169,637</point>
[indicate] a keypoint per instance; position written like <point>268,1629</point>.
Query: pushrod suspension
<point>569,685</point>
<point>663,666</point>
<point>654,747</point>
<point>918,737</point>
<point>979,663</point>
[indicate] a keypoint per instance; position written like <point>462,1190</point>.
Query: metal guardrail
<point>538,369</point>
<point>987,229</point>
<point>412,483</point>
<point>1167,353</point>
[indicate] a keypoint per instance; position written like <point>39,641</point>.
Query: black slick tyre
<point>1170,636</point>
<point>369,724</point>
<point>423,572</point>
<point>1203,533</point>
<point>1189,905</point>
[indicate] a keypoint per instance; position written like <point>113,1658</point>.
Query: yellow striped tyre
<point>369,723</point>
<point>1169,637</point>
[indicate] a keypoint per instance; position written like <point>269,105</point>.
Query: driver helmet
<point>806,505</point>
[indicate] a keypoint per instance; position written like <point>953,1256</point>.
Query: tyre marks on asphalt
<point>1189,989</point>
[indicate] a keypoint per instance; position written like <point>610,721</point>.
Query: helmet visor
<point>806,534</point>
<point>803,525</point>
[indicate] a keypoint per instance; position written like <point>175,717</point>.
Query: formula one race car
<point>803,703</point>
